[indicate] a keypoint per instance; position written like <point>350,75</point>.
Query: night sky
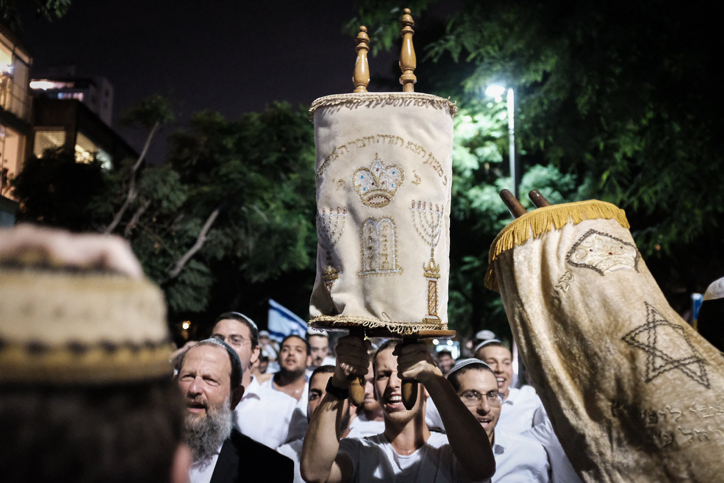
<point>230,56</point>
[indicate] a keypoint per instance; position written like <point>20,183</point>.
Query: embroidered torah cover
<point>633,392</point>
<point>384,170</point>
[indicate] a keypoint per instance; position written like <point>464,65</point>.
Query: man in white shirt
<point>317,389</point>
<point>519,405</point>
<point>242,334</point>
<point>369,419</point>
<point>318,349</point>
<point>263,414</point>
<point>275,411</point>
<point>517,459</point>
<point>209,378</point>
<point>407,450</point>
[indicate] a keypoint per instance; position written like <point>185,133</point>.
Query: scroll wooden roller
<point>514,206</point>
<point>408,60</point>
<point>361,79</point>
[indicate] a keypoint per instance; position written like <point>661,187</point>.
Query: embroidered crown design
<point>378,184</point>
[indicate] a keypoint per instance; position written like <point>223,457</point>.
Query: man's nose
<point>195,387</point>
<point>484,405</point>
<point>395,380</point>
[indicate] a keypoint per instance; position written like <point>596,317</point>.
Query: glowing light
<point>435,342</point>
<point>186,325</point>
<point>449,342</point>
<point>495,90</point>
<point>45,84</point>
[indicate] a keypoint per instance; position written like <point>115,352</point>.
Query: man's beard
<point>205,435</point>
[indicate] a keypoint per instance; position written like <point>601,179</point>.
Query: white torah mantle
<point>633,392</point>
<point>383,172</point>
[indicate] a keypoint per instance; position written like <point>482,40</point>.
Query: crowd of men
<point>214,419</point>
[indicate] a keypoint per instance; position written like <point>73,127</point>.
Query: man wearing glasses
<point>263,414</point>
<point>517,458</point>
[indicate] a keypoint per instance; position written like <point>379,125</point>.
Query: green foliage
<point>382,19</point>
<point>251,181</point>
<point>48,9</point>
<point>148,112</point>
<point>478,213</point>
<point>617,96</point>
<point>55,190</point>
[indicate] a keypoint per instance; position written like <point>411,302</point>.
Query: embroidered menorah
<point>330,225</point>
<point>428,219</point>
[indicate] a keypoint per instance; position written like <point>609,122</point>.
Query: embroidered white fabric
<point>623,378</point>
<point>384,172</point>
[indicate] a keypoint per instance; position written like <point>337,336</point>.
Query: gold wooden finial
<point>408,61</point>
<point>361,76</point>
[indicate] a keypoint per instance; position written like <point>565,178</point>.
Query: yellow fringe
<point>542,220</point>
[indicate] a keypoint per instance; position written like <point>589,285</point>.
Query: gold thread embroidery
<point>538,222</point>
<point>428,220</point>
<point>377,185</point>
<point>364,141</point>
<point>397,327</point>
<point>371,100</point>
<point>379,248</point>
<point>603,253</point>
<point>330,226</point>
<point>417,179</point>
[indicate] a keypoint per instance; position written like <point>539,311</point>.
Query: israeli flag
<point>283,322</point>
<point>696,299</point>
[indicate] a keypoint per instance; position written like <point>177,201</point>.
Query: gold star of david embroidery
<point>667,347</point>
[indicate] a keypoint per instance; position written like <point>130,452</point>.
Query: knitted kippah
<point>68,327</point>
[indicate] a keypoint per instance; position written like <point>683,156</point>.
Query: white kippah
<point>485,335</point>
<point>715,290</point>
<point>467,362</point>
<point>484,343</point>
<point>312,331</point>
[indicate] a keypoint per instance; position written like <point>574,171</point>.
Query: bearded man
<point>209,377</point>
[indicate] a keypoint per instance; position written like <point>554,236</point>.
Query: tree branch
<point>200,240</point>
<point>136,216</point>
<point>132,193</point>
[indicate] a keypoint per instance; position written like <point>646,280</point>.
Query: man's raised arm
<point>320,462</point>
<point>468,440</point>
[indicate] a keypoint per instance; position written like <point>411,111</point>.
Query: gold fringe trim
<point>543,220</point>
<point>354,322</point>
<point>62,365</point>
<point>394,99</point>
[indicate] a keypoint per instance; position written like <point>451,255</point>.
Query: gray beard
<point>206,435</point>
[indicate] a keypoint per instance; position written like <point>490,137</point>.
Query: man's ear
<point>181,462</point>
<point>309,360</point>
<point>254,355</point>
<point>236,395</point>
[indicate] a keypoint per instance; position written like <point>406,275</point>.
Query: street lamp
<point>496,91</point>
